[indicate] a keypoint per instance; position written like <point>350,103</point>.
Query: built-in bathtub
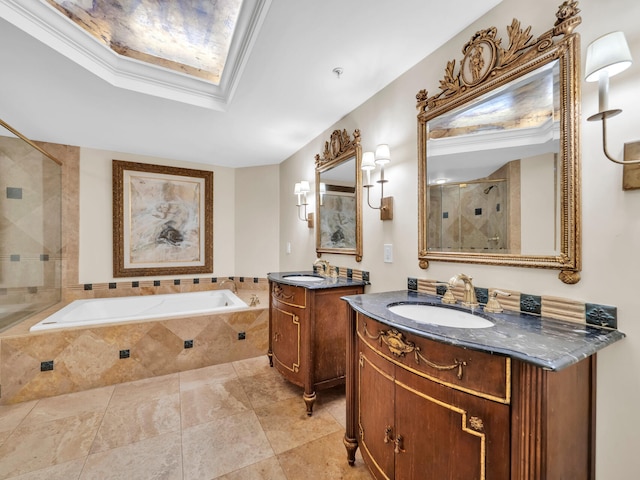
<point>99,311</point>
<point>212,327</point>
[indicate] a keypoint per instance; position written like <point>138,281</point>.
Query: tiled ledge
<point>546,306</point>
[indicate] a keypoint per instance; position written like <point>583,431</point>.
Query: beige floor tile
<point>12,415</point>
<point>206,375</point>
<point>145,390</point>
<point>67,471</point>
<point>269,387</point>
<point>126,424</point>
<point>157,457</point>
<point>323,459</point>
<point>212,401</point>
<point>252,366</point>
<point>287,424</point>
<point>47,409</point>
<point>268,469</point>
<point>333,401</point>
<point>41,445</point>
<point>223,446</point>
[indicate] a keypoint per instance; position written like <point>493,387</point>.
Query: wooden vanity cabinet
<point>307,335</point>
<point>422,409</point>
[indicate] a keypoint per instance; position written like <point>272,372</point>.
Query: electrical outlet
<point>388,253</point>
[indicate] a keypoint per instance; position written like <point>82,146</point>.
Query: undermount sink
<point>304,278</point>
<point>435,315</point>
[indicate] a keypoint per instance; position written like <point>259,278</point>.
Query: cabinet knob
<point>399,444</point>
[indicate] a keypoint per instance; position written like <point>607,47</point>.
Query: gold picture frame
<point>162,220</point>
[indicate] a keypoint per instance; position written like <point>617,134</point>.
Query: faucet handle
<point>448,294</point>
<point>493,306</point>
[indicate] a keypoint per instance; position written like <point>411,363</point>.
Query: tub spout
<point>231,283</point>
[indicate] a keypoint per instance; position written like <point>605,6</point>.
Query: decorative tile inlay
<point>482,294</point>
<point>176,281</point>
<point>14,257</point>
<point>135,284</point>
<point>112,285</point>
<point>601,315</point>
<point>242,335</point>
<point>196,281</point>
<point>478,211</point>
<point>46,366</point>
<point>44,257</point>
<point>32,290</point>
<point>188,344</point>
<point>349,273</point>
<point>125,353</point>
<point>241,279</point>
<point>412,284</point>
<point>88,286</point>
<point>14,193</point>
<point>256,279</point>
<point>530,303</point>
<point>365,276</point>
<point>445,214</point>
<point>214,280</point>
<point>156,283</point>
<point>441,289</point>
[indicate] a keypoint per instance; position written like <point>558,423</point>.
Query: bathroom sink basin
<point>435,315</point>
<point>304,278</point>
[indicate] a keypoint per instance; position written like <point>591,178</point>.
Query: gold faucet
<point>469,299</point>
<point>326,267</point>
<point>233,288</point>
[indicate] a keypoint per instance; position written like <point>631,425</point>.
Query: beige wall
<point>611,225</point>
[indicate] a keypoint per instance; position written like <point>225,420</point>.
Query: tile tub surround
<point>544,342</point>
<point>91,357</point>
<point>224,422</point>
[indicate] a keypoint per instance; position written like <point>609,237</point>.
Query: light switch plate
<point>388,253</point>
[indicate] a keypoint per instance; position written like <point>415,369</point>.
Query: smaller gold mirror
<point>339,196</point>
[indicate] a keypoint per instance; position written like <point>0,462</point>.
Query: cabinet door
<point>285,340</point>
<point>443,433</point>
<point>375,406</point>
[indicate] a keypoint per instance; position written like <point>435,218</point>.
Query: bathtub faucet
<point>232,284</point>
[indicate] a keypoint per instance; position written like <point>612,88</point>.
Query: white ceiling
<point>286,96</point>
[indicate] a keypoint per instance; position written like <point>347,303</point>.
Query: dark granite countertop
<point>289,278</point>
<point>544,342</point>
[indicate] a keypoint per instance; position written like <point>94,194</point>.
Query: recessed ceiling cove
<point>191,51</point>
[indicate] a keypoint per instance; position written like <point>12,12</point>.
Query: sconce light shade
<point>304,186</point>
<point>368,161</point>
<point>296,189</point>
<point>608,55</point>
<point>383,155</point>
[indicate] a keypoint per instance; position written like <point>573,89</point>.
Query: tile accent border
<point>542,305</point>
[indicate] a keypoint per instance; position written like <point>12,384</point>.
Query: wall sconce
<point>369,161</point>
<point>301,189</point>
<point>607,56</point>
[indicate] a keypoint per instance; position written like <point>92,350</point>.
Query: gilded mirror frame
<point>523,55</point>
<point>340,149</point>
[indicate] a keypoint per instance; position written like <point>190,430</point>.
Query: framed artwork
<point>162,220</point>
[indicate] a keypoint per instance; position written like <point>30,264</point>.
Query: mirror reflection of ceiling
<point>518,120</point>
<point>189,36</point>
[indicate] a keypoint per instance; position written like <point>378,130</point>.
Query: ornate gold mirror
<point>339,196</point>
<point>499,152</point>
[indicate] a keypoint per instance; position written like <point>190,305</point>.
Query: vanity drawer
<point>289,294</point>
<point>477,373</point>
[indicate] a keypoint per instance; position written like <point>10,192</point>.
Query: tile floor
<point>234,421</point>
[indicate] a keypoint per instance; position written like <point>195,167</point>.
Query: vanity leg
<point>270,355</point>
<point>309,400</point>
<point>351,444</point>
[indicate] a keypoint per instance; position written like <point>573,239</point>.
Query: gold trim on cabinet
<point>505,400</point>
<point>295,368</point>
<point>278,293</point>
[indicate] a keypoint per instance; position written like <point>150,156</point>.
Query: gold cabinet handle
<point>388,437</point>
<point>399,442</point>
<point>276,335</point>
